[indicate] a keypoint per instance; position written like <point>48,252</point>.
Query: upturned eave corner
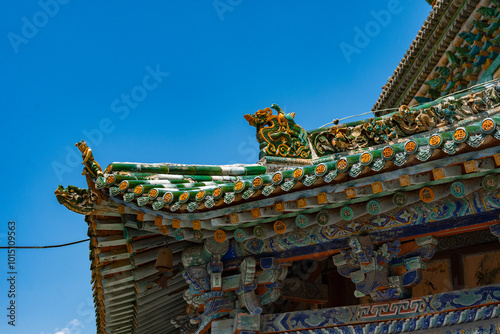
<point>79,200</point>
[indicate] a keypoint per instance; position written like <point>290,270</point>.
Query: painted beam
<point>465,302</point>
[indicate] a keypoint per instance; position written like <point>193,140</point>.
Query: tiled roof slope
<point>197,192</point>
<point>434,38</point>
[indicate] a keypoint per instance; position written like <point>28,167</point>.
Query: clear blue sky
<point>69,69</point>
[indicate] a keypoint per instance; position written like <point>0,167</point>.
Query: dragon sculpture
<point>402,123</point>
<point>408,122</point>
<point>76,199</point>
<point>279,135</point>
<point>82,200</point>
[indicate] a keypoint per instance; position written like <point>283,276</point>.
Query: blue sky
<point>160,81</point>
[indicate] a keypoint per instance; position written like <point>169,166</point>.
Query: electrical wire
<point>42,247</point>
<point>484,84</point>
<point>366,113</point>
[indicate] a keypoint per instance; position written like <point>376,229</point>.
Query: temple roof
<point>206,192</point>
<point>445,56</point>
<point>134,209</point>
<point>394,175</point>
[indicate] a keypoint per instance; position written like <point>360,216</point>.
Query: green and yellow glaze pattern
<point>279,135</point>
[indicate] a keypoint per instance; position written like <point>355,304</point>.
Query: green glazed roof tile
<point>190,188</point>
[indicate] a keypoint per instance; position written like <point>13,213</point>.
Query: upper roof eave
<point>418,62</point>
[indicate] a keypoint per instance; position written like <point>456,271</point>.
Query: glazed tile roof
<point>133,209</point>
<point>441,28</point>
<point>375,175</point>
<point>197,192</point>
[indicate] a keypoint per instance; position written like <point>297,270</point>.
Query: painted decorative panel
<point>481,269</point>
<point>410,315</point>
<point>436,278</point>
